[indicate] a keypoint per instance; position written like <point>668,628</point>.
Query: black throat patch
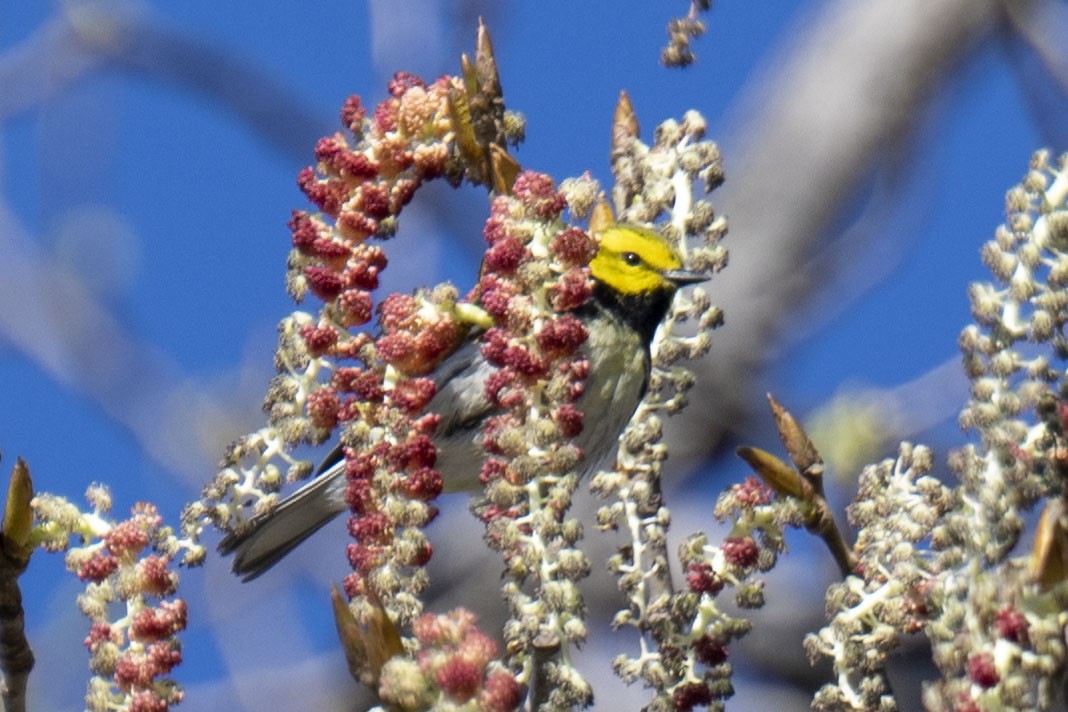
<point>641,312</point>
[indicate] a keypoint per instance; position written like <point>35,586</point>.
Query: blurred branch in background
<point>86,38</point>
<point>1038,29</point>
<point>55,320</point>
<point>829,110</point>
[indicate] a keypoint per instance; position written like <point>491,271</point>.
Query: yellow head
<point>635,260</point>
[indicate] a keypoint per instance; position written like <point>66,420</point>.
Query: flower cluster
<point>998,631</point>
<point>681,31</point>
<point>534,275</point>
<point>939,560</point>
<point>127,562</point>
<point>897,508</point>
<point>689,666</point>
<point>455,669</point>
<point>333,375</point>
<point>652,181</point>
<point>455,128</point>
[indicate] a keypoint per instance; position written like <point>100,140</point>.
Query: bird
<point>635,274</point>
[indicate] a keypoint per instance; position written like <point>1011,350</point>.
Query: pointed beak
<point>683,277</point>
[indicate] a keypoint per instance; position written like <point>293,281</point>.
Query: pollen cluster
<point>130,596</point>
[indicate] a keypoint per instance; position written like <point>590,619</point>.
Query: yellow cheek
<point>612,271</point>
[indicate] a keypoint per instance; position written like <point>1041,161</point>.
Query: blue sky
<point>139,181</point>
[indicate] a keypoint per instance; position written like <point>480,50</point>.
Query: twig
<point>804,482</point>
<point>16,657</point>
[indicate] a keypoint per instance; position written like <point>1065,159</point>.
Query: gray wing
<point>461,382</point>
<point>462,405</point>
<point>461,379</point>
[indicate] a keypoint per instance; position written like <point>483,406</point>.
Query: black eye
<point>631,259</point>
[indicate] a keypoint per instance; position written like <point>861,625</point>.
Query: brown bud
<point>780,477</point>
<point>798,445</point>
<point>624,124</point>
<point>368,646</point>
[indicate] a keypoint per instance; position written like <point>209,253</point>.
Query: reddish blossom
<point>500,693</point>
<point>415,452</point>
<point>574,247</point>
<point>318,339</point>
<point>419,353</point>
<point>329,250</point>
<point>160,622</point>
<point>360,465</point>
<point>572,290</point>
<point>126,539</point>
<point>982,671</point>
<point>353,113</point>
<point>538,193</point>
<point>709,651</point>
<point>371,528</point>
<point>324,283</point>
<point>328,194</point>
<point>155,577</point>
<point>459,678</point>
<point>493,468</point>
<point>525,362</point>
<point>499,389</point>
<point>741,550</point>
<point>491,512</point>
<point>561,336</point>
<point>146,515</point>
<point>356,226</point>
<point>364,558</point>
<point>353,584</point>
<point>329,146</point>
<point>403,190</point>
<point>494,345</point>
<point>352,164</point>
<point>396,311</point>
<point>367,385</point>
<point>385,116</point>
<point>423,483</point>
<point>702,579</point>
<point>426,424</point>
<point>398,349</point>
<point>506,255</point>
<point>412,394</point>
<point>691,694</point>
<point>150,701</point>
<point>402,82</point>
<point>495,295</point>
<point>352,347</point>
<point>99,633</point>
<point>499,221</point>
<point>98,566</point>
<point>359,496</point>
<point>356,307</point>
<point>322,407</point>
<point>304,229</point>
<point>137,670</point>
<point>368,262</point>
<point>569,419</point>
<point>1011,624</point>
<point>752,492</point>
<point>374,200</point>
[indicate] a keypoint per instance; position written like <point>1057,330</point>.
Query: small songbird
<point>635,274</point>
